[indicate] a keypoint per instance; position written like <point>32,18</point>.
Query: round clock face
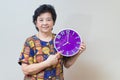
<point>68,42</point>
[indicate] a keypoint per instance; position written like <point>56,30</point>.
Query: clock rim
<point>72,30</point>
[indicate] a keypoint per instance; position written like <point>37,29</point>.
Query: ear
<point>35,22</point>
<point>52,29</point>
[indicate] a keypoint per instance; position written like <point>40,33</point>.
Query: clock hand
<point>67,36</point>
<point>65,43</point>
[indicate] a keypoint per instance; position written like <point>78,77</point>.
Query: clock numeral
<point>77,42</point>
<point>77,37</point>
<point>57,42</point>
<point>73,33</point>
<point>76,48</point>
<point>67,31</point>
<point>58,48</point>
<point>62,33</point>
<point>67,53</point>
<point>73,51</point>
<point>58,36</point>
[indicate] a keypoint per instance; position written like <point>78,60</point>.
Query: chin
<point>46,31</point>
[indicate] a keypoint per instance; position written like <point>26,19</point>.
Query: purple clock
<point>68,42</point>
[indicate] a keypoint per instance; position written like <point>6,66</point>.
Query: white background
<point>97,21</point>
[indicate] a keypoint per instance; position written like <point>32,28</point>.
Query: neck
<point>45,36</point>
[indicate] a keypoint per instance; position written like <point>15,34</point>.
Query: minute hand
<point>68,37</point>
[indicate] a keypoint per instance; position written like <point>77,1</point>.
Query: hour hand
<point>65,43</point>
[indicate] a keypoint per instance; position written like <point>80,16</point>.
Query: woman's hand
<point>82,47</point>
<point>53,59</point>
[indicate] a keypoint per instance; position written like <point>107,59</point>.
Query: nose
<point>44,22</point>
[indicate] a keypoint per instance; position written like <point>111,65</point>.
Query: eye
<point>40,19</point>
<point>49,19</point>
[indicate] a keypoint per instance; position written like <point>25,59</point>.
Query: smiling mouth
<point>45,27</point>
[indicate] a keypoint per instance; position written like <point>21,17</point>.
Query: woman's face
<point>45,22</point>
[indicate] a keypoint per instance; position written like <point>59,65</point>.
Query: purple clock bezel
<point>73,31</point>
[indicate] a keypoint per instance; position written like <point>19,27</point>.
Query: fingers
<point>83,46</point>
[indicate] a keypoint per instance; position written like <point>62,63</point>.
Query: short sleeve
<point>24,55</point>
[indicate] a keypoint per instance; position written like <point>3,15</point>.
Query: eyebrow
<point>46,18</point>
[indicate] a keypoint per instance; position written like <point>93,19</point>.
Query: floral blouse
<point>36,51</point>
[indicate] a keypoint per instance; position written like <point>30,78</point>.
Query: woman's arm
<point>70,61</point>
<point>34,68</point>
<point>37,67</point>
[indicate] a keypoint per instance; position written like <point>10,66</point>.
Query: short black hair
<point>43,9</point>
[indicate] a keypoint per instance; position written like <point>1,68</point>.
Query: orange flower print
<point>46,50</point>
<point>31,43</point>
<point>27,50</point>
<point>30,60</point>
<point>57,71</point>
<point>40,75</point>
<point>53,78</point>
<point>37,43</point>
<point>39,58</point>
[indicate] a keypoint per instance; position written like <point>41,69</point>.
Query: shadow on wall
<point>85,71</point>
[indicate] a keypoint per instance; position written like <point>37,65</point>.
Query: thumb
<point>58,54</point>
